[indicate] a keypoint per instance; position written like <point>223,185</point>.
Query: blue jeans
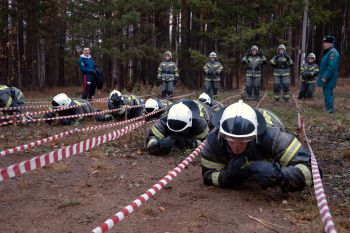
<point>328,99</point>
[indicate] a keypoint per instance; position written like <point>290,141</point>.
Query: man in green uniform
<point>328,75</point>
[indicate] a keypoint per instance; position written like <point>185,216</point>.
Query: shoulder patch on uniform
<point>331,55</point>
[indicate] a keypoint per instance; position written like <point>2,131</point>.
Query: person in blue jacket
<point>87,67</point>
<point>328,74</point>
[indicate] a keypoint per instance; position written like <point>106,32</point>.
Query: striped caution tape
<point>70,132</point>
<point>108,224</point>
<point>321,198</point>
<point>64,153</point>
<point>24,107</point>
<point>70,116</point>
<point>42,112</point>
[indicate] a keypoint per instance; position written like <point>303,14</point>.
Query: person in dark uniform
<point>168,74</point>
<point>309,72</point>
<point>184,126</point>
<point>155,104</point>
<point>253,61</point>
<point>122,102</point>
<point>82,106</point>
<point>329,72</point>
<point>11,97</point>
<point>211,102</point>
<point>281,63</point>
<point>244,145</point>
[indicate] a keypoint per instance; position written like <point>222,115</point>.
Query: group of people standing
<point>253,61</point>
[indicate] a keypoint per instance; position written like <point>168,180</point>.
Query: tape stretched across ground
<point>321,198</point>
<point>42,112</point>
<point>70,116</point>
<point>67,133</point>
<point>24,107</point>
<point>108,224</point>
<point>63,153</point>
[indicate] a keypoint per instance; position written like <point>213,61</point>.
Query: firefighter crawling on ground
<point>79,106</point>
<point>251,143</point>
<point>185,125</point>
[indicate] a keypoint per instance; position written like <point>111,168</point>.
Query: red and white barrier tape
<point>48,101</point>
<point>100,100</point>
<point>108,224</point>
<point>24,107</point>
<point>321,198</point>
<point>5,123</point>
<point>70,116</point>
<point>38,102</point>
<point>69,132</point>
<point>63,153</point>
<point>42,112</point>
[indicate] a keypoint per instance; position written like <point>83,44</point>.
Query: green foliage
<point>198,58</point>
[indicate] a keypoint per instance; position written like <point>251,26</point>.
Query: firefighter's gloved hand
<point>49,115</point>
<point>68,121</point>
<point>180,140</point>
<point>265,173</point>
<point>191,142</point>
<point>166,144</point>
<point>108,117</point>
<point>235,172</point>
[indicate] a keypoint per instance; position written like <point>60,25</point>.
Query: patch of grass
<point>98,165</point>
<point>24,184</point>
<point>150,211</point>
<point>96,154</point>
<point>60,167</point>
<point>69,203</point>
<point>343,221</point>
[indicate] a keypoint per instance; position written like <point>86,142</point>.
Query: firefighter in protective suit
<point>82,106</point>
<point>117,100</point>
<point>184,126</point>
<point>213,71</point>
<point>168,74</point>
<point>211,102</point>
<point>309,72</point>
<point>10,97</point>
<point>281,63</point>
<point>254,62</point>
<point>155,104</point>
<point>244,145</point>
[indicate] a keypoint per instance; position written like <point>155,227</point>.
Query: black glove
<point>265,173</point>
<point>68,121</point>
<point>217,72</point>
<point>49,115</point>
<point>235,172</point>
<point>191,143</point>
<point>166,144</point>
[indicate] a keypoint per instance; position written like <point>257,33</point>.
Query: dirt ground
<point>80,193</point>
